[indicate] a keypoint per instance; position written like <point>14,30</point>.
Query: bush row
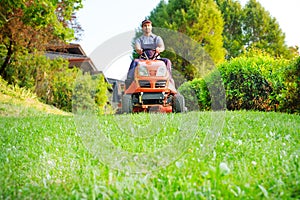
<point>250,82</point>
<point>54,82</point>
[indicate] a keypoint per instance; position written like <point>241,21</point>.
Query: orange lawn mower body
<point>151,90</point>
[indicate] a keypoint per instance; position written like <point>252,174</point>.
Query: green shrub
<point>54,82</point>
<point>289,98</point>
<point>272,70</point>
<point>84,93</point>
<point>196,94</point>
<point>23,69</point>
<point>63,85</point>
<point>51,80</point>
<point>246,87</point>
<point>90,94</point>
<point>189,91</point>
<point>15,90</point>
<point>284,78</point>
<point>254,81</point>
<point>102,95</point>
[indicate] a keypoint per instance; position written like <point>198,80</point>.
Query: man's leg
<point>130,74</point>
<point>169,67</point>
<point>132,67</point>
<point>168,64</point>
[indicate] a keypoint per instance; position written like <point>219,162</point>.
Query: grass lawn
<point>256,156</point>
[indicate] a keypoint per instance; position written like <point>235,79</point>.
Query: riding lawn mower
<point>152,88</point>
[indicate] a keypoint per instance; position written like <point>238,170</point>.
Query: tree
<point>262,31</point>
<point>29,26</point>
<point>198,19</point>
<point>233,17</point>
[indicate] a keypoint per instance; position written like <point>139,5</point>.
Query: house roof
<point>75,55</point>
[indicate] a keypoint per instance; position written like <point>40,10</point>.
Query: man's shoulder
<point>152,35</point>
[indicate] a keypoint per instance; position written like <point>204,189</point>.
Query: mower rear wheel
<point>127,104</point>
<point>178,103</point>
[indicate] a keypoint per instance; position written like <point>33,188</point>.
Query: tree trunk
<point>6,62</point>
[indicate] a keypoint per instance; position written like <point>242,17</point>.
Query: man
<point>148,41</point>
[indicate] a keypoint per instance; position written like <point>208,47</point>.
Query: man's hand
<point>139,51</point>
<point>157,50</point>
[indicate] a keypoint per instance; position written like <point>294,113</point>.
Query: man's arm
<point>160,46</point>
<point>138,47</point>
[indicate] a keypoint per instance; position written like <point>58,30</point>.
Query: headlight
<point>143,71</point>
<point>161,71</point>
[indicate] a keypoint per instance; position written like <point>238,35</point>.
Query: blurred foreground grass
<point>255,157</point>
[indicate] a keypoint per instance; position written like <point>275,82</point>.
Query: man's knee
<point>168,63</point>
<point>132,67</point>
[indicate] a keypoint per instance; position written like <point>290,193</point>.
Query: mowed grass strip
<point>256,156</point>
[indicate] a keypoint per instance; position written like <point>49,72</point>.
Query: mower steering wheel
<point>145,56</point>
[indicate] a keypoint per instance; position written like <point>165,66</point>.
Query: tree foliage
<point>251,27</point>
<point>233,16</point>
<point>263,31</point>
<point>242,28</point>
<point>29,26</point>
<point>198,19</point>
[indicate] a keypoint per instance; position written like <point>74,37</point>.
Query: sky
<point>110,24</point>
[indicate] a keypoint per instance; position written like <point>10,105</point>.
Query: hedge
<point>251,82</point>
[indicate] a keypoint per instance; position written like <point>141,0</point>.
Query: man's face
<point>147,28</point>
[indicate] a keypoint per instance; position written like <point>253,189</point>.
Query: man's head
<point>147,26</point>
<point>146,21</point>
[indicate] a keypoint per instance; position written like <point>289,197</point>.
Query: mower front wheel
<point>178,104</point>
